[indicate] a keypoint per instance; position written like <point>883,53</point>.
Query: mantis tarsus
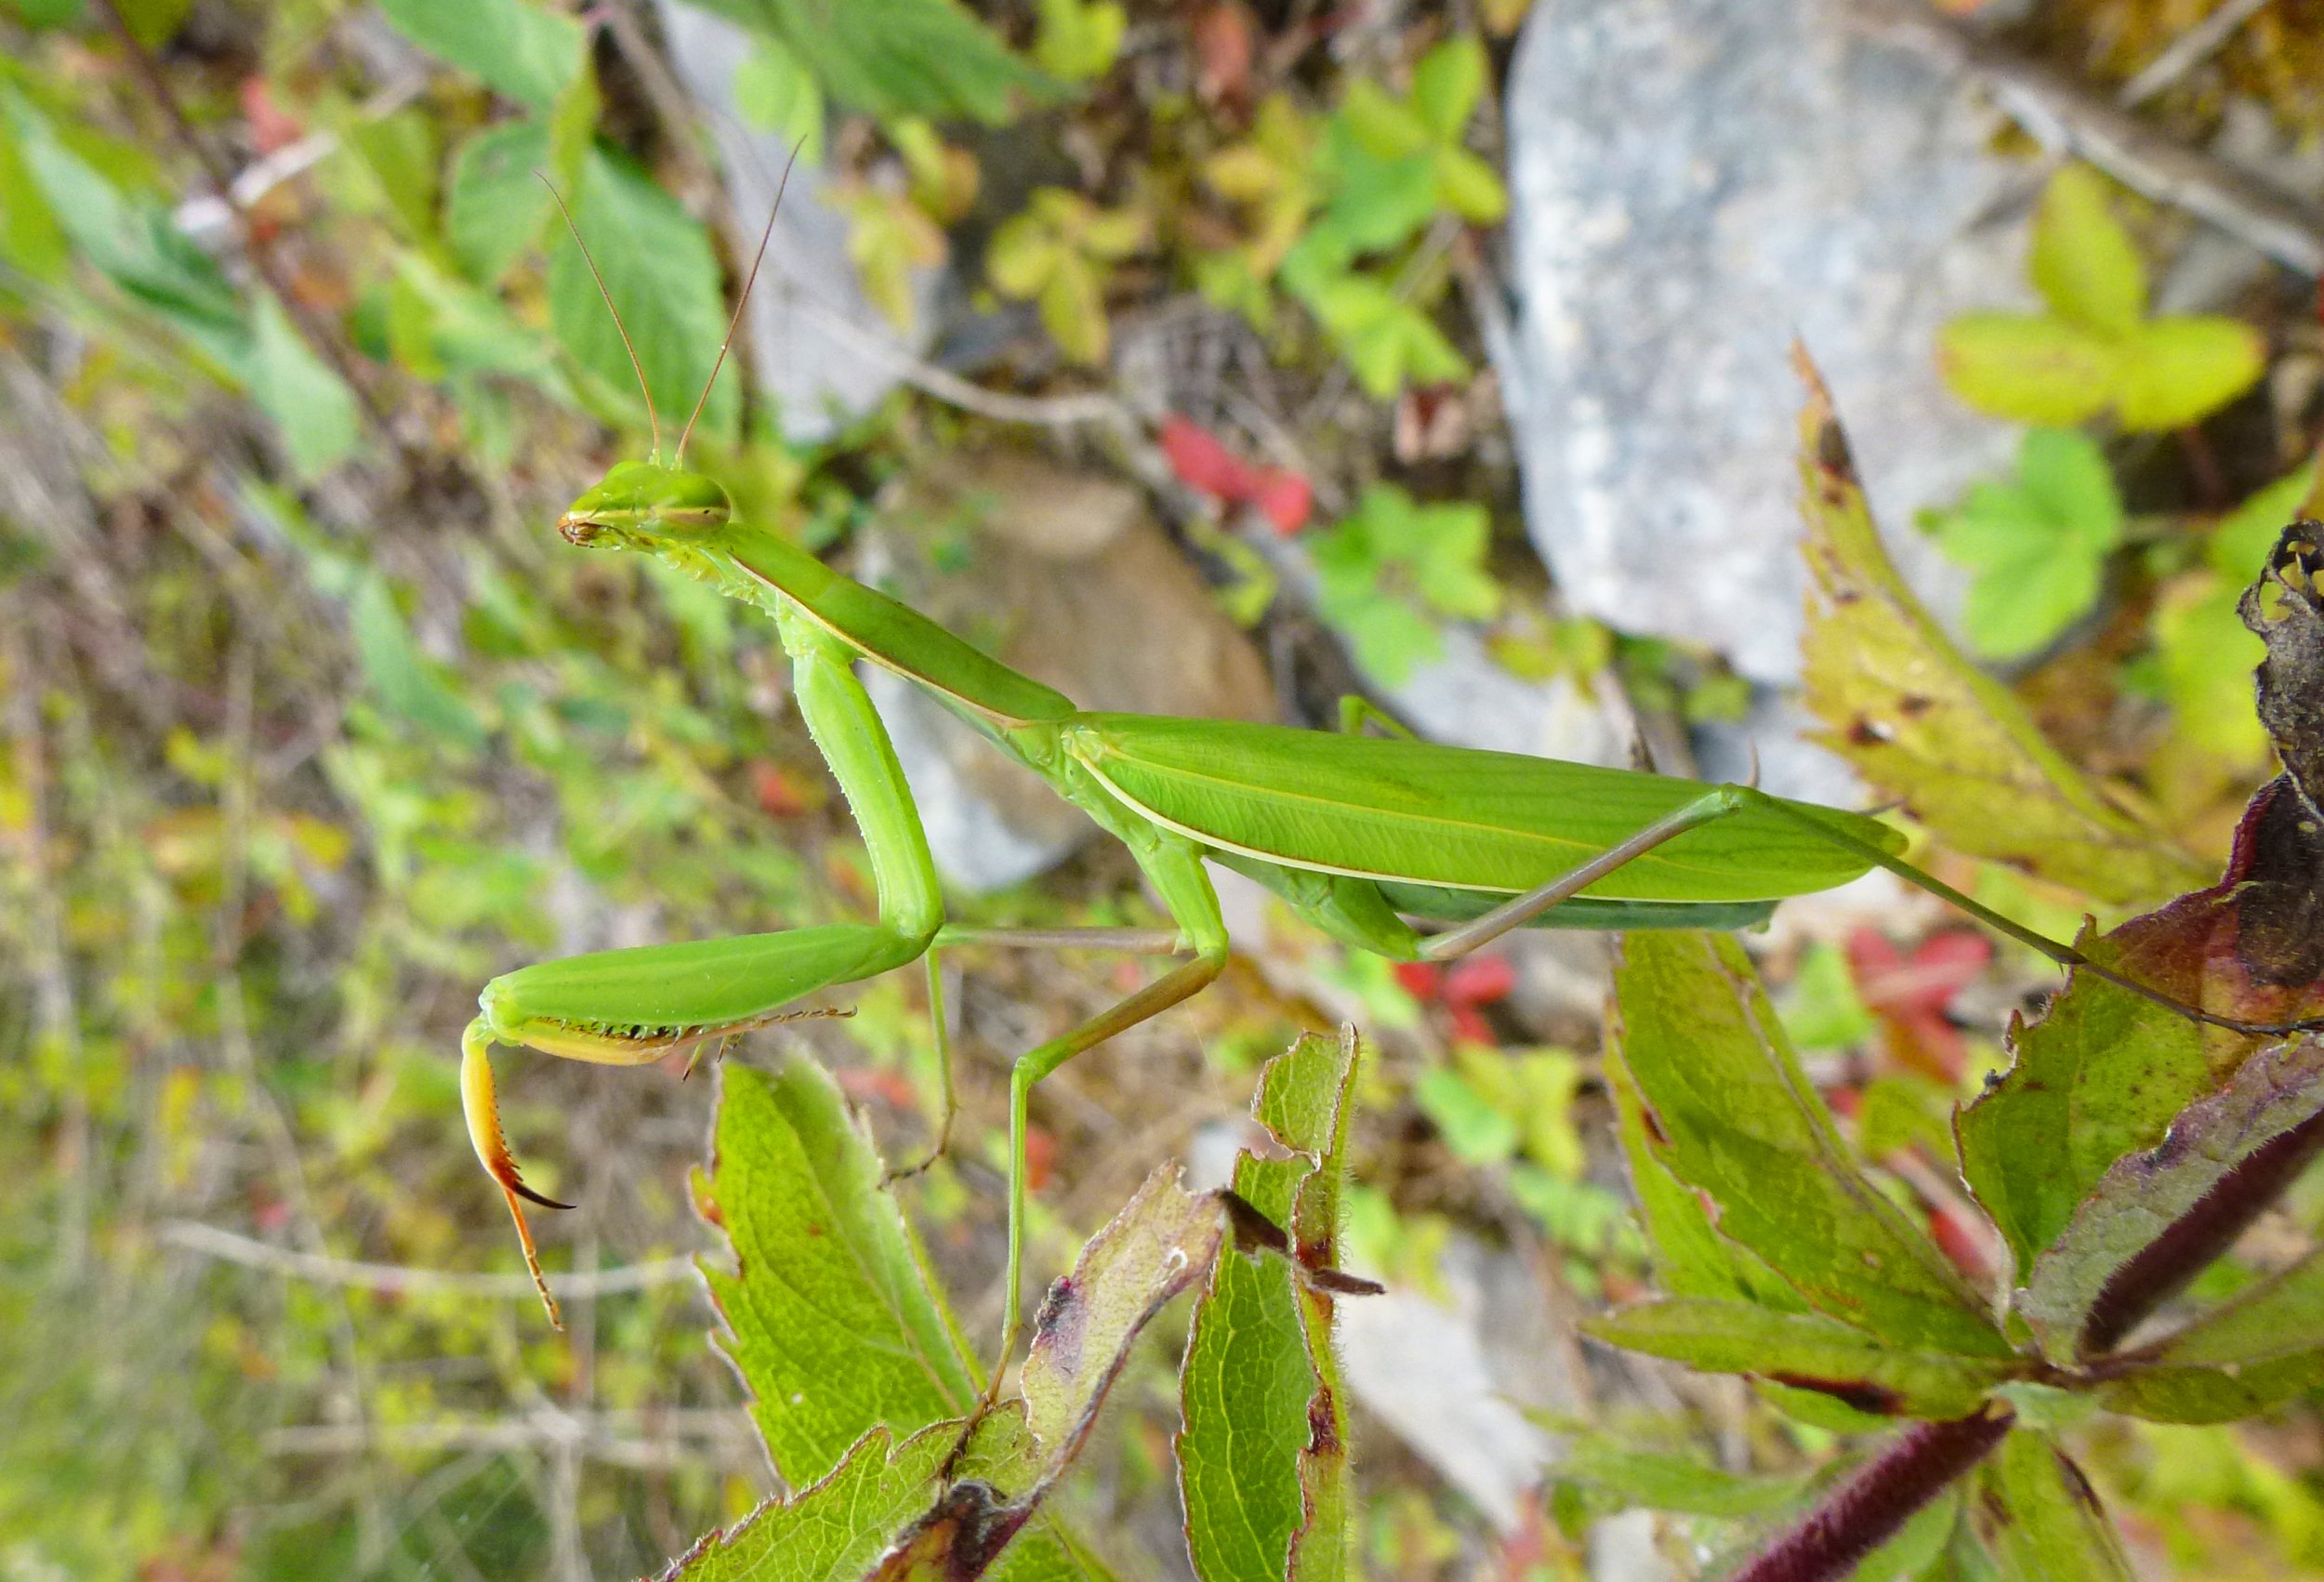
<point>1358,835</point>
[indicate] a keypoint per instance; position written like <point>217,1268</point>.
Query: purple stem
<point>1856,1518</point>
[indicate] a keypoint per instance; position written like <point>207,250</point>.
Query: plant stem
<point>1856,1518</point>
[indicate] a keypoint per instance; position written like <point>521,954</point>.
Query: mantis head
<point>641,504</point>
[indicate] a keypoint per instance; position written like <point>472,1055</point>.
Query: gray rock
<point>814,333</point>
<point>1694,183</point>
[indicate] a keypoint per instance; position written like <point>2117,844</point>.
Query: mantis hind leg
<point>1724,801</point>
<point>1176,871</point>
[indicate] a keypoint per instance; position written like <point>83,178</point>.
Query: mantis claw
<point>483,1113</point>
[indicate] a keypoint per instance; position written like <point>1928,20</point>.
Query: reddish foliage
<point>1204,464</point>
<point>1909,994</point>
<point>271,128</point>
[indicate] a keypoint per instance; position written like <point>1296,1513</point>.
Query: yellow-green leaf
<point>2040,370</point>
<point>1903,705</point>
<point>2180,371</point>
<point>2082,261</point>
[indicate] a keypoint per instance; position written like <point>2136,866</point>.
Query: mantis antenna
<point>619,328</point>
<point>740,303</point>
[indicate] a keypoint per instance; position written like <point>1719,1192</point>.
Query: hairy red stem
<point>1856,1518</point>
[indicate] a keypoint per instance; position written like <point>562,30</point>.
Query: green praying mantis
<point>1410,850</point>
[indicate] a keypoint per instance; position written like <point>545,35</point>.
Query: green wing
<point>1450,816</point>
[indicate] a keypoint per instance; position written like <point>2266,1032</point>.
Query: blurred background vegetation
<point>311,725</point>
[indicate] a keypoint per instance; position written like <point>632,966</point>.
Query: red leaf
<point>778,794</point>
<point>1222,52</point>
<point>1959,1243</point>
<point>1422,980</point>
<point>1283,497</point>
<point>271,127</point>
<point>1041,1157</point>
<point>1469,1027</point>
<point>1202,461</point>
<point>1479,980</point>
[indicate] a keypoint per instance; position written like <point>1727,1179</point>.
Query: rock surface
<point>1069,579</point>
<point>813,332</point>
<point>1694,183</point>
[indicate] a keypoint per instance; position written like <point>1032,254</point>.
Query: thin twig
<point>406,1280</point>
<point>687,1437</point>
<point>2063,113</point>
<point>1051,411</point>
<point>2187,51</point>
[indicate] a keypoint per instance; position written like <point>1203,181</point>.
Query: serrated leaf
<point>2143,1196</point>
<point>1729,1112</point>
<point>1263,1460</point>
<point>2082,261</point>
<point>310,403</point>
<point>1690,1258</point>
<point>2104,1074</point>
<point>898,58</point>
<point>833,1320</point>
<point>2026,369</point>
<point>1806,1351</point>
<point>831,1531</point>
<point>495,206</point>
<point>518,50</point>
<point>2040,1516</point>
<point>2179,371</point>
<point>1923,724</point>
<point>664,277</point>
<point>2038,546</point>
<point>2245,1357</point>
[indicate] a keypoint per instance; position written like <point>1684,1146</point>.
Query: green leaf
<point>773,90</point>
<point>2039,371</point>
<point>2239,1360</point>
<point>2082,261</point>
<point>1262,1461</point>
<point>663,276</point>
<point>1690,1258</point>
<point>310,403</point>
<point>1163,1241</point>
<point>519,50</point>
<point>2037,546</point>
<point>2040,1516</point>
<point>2179,371</point>
<point>401,154</point>
<point>403,680</point>
<point>833,1320</point>
<point>898,58</point>
<point>1806,1351</point>
<point>2102,1073</point>
<point>2206,656</point>
<point>2246,534</point>
<point>2143,1195</point>
<point>1079,38</point>
<point>1476,1131</point>
<point>1446,85</point>
<point>495,206</point>
<point>831,1531</point>
<point>1662,1481</point>
<point>1387,572</point>
<point>134,243</point>
<point>1728,1110</point>
<point>31,239</point>
<point>1912,714</point>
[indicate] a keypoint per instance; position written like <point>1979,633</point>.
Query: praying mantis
<point>1364,836</point>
